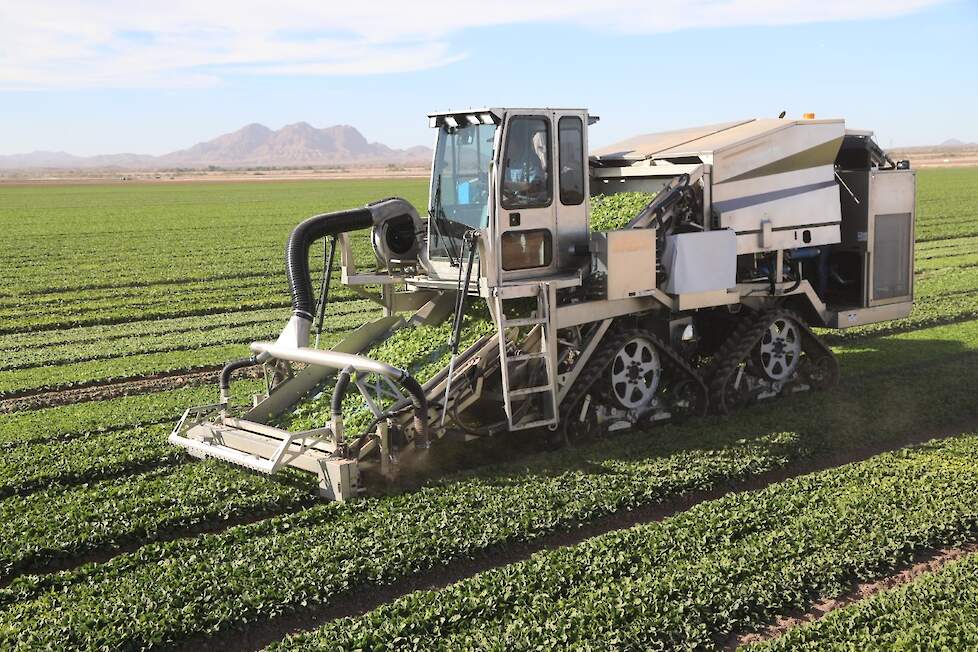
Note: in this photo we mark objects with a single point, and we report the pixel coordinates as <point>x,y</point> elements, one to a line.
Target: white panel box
<point>700,262</point>
<point>627,257</point>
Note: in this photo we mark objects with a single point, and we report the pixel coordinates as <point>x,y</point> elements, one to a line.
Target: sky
<point>121,76</point>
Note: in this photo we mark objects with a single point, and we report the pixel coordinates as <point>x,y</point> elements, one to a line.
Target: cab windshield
<point>459,186</point>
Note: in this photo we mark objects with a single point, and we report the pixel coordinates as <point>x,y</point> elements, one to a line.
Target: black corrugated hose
<point>297,252</point>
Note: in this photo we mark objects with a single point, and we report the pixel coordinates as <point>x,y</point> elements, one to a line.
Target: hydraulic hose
<point>328,256</point>
<point>224,382</point>
<point>463,291</point>
<point>342,382</point>
<point>419,403</point>
<point>336,403</point>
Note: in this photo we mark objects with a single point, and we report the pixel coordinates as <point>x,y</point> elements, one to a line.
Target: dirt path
<point>145,177</point>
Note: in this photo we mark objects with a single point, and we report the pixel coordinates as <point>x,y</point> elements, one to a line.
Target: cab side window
<point>526,169</point>
<point>570,140</point>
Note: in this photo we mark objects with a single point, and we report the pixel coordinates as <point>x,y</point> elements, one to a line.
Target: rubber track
<point>731,345</point>
<point>745,336</point>
<point>601,359</point>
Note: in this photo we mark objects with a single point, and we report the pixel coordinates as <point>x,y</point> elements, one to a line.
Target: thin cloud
<point>114,43</point>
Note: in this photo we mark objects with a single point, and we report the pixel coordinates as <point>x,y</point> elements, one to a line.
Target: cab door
<point>525,216</point>
<point>571,199</point>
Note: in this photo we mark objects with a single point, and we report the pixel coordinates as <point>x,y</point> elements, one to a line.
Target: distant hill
<point>254,145</point>
<point>954,143</point>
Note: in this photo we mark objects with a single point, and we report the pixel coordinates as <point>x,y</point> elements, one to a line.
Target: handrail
<point>327,358</point>
<point>348,362</point>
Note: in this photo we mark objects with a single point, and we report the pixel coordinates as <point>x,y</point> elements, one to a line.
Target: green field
<point>112,539</point>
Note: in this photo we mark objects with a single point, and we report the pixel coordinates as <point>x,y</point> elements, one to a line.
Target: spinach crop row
<point>283,563</point>
<point>140,508</point>
<point>937,611</point>
<point>181,340</point>
<point>15,342</point>
<point>79,419</point>
<point>133,366</point>
<point>68,227</point>
<point>696,578</point>
<point>32,466</point>
<point>255,571</point>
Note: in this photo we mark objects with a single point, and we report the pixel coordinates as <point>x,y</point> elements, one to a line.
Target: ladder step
<point>526,356</point>
<point>539,389</point>
<point>523,321</point>
<point>534,424</point>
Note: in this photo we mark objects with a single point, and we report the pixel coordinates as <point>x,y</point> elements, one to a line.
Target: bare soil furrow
<point>924,563</point>
<point>97,392</point>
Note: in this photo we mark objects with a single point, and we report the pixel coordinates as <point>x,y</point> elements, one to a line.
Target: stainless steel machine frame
<point>742,208</point>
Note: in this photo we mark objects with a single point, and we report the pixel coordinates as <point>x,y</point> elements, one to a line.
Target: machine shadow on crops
<point>786,429</point>
<point>504,300</point>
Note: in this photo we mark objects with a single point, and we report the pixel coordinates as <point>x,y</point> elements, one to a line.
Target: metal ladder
<point>547,388</point>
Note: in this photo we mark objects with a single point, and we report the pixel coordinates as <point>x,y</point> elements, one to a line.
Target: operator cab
<point>519,177</point>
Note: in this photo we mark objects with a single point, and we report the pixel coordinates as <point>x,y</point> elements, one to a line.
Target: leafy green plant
<point>283,563</point>
<point>936,611</point>
<point>35,465</point>
<point>610,212</point>
<point>421,350</point>
<point>78,420</point>
<point>722,566</point>
<point>117,274</point>
<point>279,564</point>
<point>114,271</point>
<point>135,508</point>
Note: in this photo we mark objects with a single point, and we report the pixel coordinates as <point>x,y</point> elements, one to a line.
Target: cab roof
<point>489,115</point>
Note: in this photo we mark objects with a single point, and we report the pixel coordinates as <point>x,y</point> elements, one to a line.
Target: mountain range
<point>954,143</point>
<point>254,145</point>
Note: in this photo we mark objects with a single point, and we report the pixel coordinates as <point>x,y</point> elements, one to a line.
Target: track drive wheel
<point>768,352</point>
<point>632,371</point>
<point>624,370</point>
<point>777,355</point>
<point>636,371</point>
<point>790,350</point>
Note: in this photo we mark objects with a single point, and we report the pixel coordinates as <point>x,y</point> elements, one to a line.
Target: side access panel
<point>891,236</point>
<point>879,227</point>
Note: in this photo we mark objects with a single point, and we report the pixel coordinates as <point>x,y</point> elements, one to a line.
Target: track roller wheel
<point>729,386</point>
<point>821,372</point>
<point>765,354</point>
<point>733,392</point>
<point>688,398</point>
